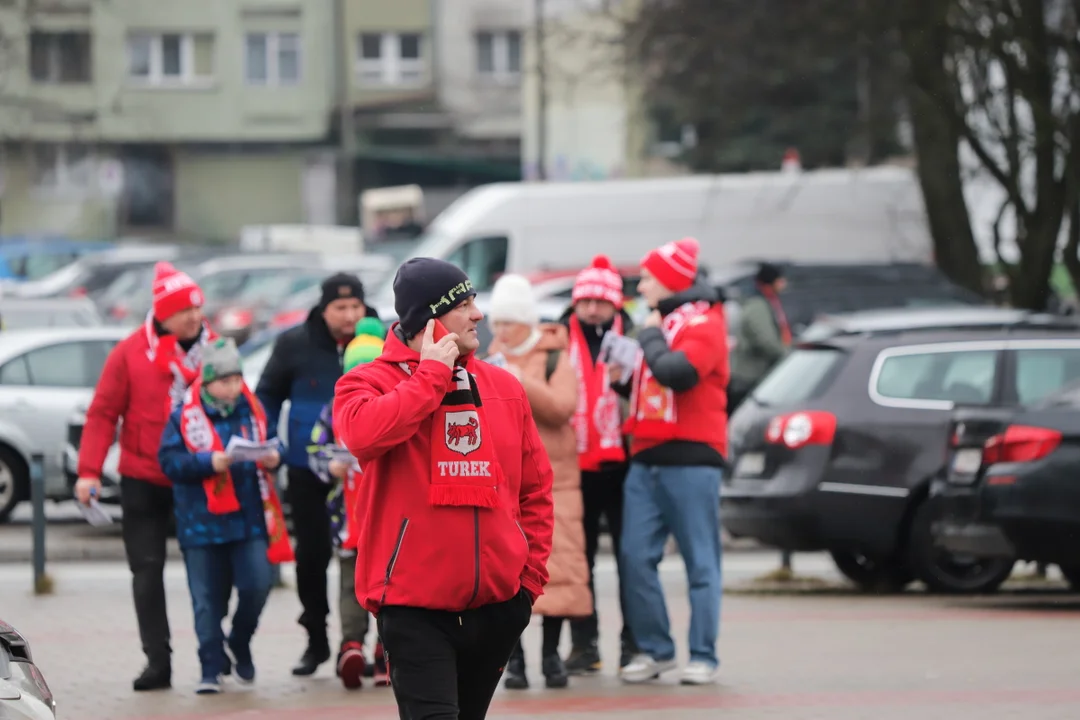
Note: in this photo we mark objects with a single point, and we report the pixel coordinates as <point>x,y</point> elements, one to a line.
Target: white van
<point>865,215</point>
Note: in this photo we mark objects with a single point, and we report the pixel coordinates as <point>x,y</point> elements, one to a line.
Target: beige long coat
<point>553,404</point>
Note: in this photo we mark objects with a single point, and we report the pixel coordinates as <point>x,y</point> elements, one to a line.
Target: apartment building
<point>186,119</point>
<point>435,87</point>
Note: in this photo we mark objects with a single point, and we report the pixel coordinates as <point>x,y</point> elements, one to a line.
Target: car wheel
<point>14,481</point>
<point>878,575</point>
<point>1072,576</point>
<point>945,572</point>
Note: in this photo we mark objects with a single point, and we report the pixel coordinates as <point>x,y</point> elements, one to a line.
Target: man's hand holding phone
<point>444,349</point>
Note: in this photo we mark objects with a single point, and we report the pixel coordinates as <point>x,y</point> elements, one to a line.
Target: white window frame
<point>390,69</point>
<point>273,69</point>
<point>157,77</point>
<point>67,181</point>
<point>500,52</point>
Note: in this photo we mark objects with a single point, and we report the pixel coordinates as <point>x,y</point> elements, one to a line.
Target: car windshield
<point>799,377</point>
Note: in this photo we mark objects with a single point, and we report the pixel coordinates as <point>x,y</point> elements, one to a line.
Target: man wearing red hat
<point>145,375</point>
<point>597,309</point>
<point>678,428</point>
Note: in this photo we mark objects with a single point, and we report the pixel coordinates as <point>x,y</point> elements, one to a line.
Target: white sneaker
<point>699,673</point>
<point>209,686</point>
<point>643,668</point>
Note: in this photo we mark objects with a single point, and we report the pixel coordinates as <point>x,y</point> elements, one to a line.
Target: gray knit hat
<point>220,358</point>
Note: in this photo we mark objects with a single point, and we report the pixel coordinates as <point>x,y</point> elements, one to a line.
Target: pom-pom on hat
<point>599,281</point>
<point>366,346</point>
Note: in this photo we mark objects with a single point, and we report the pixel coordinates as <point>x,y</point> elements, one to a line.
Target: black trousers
<point>306,495</point>
<point>447,665</point>
<point>148,516</point>
<point>602,496</point>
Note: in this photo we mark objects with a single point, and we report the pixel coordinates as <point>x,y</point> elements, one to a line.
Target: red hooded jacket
<point>413,553</point>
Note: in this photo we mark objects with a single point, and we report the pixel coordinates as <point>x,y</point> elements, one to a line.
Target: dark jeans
<point>148,515</point>
<point>447,665</point>
<point>552,634</point>
<point>311,529</point>
<point>212,572</point>
<point>602,495</point>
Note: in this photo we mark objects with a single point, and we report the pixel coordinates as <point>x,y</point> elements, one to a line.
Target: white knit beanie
<point>512,300</point>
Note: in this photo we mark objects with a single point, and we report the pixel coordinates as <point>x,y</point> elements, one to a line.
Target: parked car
<point>20,313</point>
<point>24,694</point>
<point>44,375</point>
<point>91,274</point>
<point>1011,489</point>
<point>836,449</point>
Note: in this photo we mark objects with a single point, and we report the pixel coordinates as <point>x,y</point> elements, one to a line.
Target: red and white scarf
<point>200,436</point>
<point>653,411</point>
<point>465,469</point>
<point>778,313</point>
<point>597,421</point>
<point>165,352</point>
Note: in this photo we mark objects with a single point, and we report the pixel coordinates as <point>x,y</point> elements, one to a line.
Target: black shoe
<point>627,653</point>
<point>583,661</point>
<point>555,672</point>
<point>153,677</point>
<point>318,652</point>
<point>515,674</point>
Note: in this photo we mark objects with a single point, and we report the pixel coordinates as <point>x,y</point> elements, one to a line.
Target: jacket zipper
<point>393,559</point>
<point>476,549</point>
<point>522,531</point>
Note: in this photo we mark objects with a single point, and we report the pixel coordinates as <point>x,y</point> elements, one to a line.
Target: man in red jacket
<point>678,428</point>
<point>145,374</point>
<point>454,514</point>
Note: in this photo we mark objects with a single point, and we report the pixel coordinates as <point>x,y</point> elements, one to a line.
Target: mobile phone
<point>439,331</point>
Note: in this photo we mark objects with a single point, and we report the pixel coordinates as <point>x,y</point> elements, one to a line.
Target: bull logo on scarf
<point>463,431</point>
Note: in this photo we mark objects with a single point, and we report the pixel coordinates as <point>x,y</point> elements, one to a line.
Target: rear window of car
<point>802,375</point>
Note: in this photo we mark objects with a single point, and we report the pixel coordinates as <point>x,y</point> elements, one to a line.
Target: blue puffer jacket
<point>303,368</point>
<point>196,526</point>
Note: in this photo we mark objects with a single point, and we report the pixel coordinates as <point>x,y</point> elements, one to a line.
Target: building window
<point>62,57</point>
<point>391,59</point>
<point>272,58</point>
<point>61,167</point>
<point>498,54</point>
<point>171,59</point>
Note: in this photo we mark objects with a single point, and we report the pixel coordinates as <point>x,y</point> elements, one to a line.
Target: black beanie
<point>426,288</point>
<point>341,285</point>
<point>768,273</point>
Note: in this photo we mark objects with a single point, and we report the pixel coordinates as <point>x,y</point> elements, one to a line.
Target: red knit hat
<point>674,264</point>
<point>173,291</point>
<point>599,281</point>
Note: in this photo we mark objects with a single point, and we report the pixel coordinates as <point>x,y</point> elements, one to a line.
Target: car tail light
<point>1020,443</point>
<point>288,318</point>
<point>118,312</point>
<point>78,292</point>
<point>234,319</point>
<point>802,428</point>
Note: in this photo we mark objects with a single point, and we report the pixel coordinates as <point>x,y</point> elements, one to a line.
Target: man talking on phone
<point>454,516</point>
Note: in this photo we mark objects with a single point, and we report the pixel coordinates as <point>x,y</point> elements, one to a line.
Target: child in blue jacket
<point>226,537</point>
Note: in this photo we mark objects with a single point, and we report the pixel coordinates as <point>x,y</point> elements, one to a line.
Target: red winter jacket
<point>443,558</point>
<point>136,390</point>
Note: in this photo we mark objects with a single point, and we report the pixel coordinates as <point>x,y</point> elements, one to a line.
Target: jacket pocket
<point>394,558</point>
<point>523,535</point>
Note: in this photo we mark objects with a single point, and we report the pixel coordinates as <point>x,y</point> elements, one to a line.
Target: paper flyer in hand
<point>95,514</point>
<point>621,351</point>
<point>336,452</point>
<point>244,450</point>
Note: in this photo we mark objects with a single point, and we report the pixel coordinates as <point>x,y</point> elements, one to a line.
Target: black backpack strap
<point>552,363</point>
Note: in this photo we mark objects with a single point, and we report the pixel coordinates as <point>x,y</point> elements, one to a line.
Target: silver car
<point>45,375</point>
<point>24,694</point>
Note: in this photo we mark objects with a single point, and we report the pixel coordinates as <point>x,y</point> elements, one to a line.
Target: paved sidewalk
<point>785,658</point>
